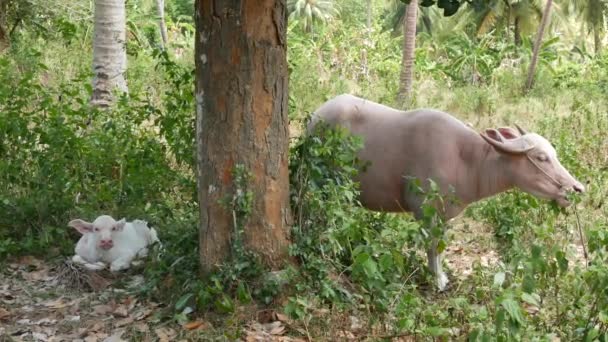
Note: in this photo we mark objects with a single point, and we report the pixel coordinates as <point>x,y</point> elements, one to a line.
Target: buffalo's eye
<point>113,229</point>
<point>542,157</point>
<point>96,229</point>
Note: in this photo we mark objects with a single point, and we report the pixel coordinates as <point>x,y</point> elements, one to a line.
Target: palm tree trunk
<point>407,62</point>
<point>369,15</point>
<point>160,5</point>
<point>597,40</point>
<point>109,51</point>
<point>516,32</point>
<point>537,43</point>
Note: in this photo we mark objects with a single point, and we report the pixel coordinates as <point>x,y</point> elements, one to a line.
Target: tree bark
<point>537,43</point>
<point>597,40</point>
<point>109,51</point>
<point>409,47</point>
<point>516,32</point>
<point>241,92</point>
<point>4,37</point>
<point>160,5</point>
<point>369,16</point>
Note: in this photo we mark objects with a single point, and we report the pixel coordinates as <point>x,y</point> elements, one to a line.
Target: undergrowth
<point>356,271</point>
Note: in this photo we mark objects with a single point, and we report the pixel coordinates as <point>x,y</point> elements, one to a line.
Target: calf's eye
<point>542,157</point>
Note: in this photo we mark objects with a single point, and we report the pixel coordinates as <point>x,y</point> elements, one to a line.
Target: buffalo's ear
<point>501,144</point>
<point>508,133</point>
<point>81,226</point>
<point>120,225</point>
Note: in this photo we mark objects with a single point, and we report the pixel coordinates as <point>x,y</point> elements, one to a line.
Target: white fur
<point>130,240</point>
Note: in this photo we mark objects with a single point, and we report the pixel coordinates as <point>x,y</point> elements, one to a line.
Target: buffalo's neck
<point>488,173</point>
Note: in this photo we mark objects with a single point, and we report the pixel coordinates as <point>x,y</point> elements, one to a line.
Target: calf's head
<point>103,230</point>
<point>532,164</point>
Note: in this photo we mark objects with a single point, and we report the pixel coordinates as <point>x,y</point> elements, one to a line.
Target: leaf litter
<point>44,302</point>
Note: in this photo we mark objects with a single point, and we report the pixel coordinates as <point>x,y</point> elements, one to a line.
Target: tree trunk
<point>597,40</point>
<point>516,32</point>
<point>4,37</point>
<point>241,87</point>
<point>537,43</point>
<point>109,51</point>
<point>409,47</point>
<point>160,5</point>
<point>369,16</point>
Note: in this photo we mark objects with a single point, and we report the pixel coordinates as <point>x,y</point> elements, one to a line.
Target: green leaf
<point>224,304</point>
<point>533,298</point>
<point>513,309</point>
<point>441,245</point>
<point>182,301</point>
<point>499,279</point>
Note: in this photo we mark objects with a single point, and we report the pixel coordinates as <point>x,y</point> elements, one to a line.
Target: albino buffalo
<point>429,144</point>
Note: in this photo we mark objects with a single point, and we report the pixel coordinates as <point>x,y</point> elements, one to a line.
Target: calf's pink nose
<point>578,187</point>
<point>106,243</point>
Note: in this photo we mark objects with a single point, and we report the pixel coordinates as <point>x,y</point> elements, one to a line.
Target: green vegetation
<point>61,158</point>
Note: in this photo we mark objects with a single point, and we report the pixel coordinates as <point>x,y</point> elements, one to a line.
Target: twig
<point>580,232</point>
<point>403,285</point>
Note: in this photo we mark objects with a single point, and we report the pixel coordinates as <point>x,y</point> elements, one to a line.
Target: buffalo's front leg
<point>434,259</point>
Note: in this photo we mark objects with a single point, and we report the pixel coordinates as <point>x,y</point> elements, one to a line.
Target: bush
<point>63,158</point>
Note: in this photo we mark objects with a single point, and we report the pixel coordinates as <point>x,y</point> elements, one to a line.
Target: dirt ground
<point>42,301</point>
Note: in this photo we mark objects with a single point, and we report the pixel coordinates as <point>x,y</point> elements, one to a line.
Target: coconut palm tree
<point>407,61</point>
<point>538,41</point>
<point>521,15</point>
<point>593,14</point>
<point>307,12</point>
<point>109,51</point>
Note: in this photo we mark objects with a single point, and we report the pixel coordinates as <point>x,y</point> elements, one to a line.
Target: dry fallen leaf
<point>141,327</point>
<point>102,309</point>
<point>130,302</point>
<point>29,260</point>
<point>36,275</point>
<point>97,327</point>
<point>58,303</point>
<point>121,311</point>
<point>165,334</point>
<point>69,318</point>
<point>4,314</point>
<point>282,318</point>
<point>116,337</point>
<point>46,321</point>
<point>40,336</point>
<point>195,325</point>
<point>142,314</point>
<point>123,322</point>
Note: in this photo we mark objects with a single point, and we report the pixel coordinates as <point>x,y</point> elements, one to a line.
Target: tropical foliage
<point>521,268</point>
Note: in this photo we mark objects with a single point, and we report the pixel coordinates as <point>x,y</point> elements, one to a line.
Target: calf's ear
<point>120,225</point>
<point>81,226</point>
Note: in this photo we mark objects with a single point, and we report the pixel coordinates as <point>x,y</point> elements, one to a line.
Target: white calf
<point>106,241</point>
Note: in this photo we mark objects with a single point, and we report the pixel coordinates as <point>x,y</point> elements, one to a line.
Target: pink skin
<point>430,144</point>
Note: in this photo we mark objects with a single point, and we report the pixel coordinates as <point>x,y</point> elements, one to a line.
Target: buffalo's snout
<point>106,244</point>
<point>578,187</point>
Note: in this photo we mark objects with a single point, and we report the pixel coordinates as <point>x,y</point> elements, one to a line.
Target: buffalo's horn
<point>521,130</point>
